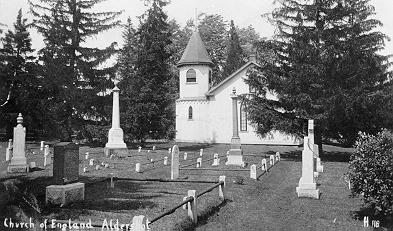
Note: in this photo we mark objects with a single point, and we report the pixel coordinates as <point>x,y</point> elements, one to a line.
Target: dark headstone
<point>65,163</point>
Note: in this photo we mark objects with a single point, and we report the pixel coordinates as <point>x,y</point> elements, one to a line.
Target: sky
<point>243,12</point>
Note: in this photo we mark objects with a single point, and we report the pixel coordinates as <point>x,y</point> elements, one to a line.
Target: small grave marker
<point>216,160</point>
<point>166,160</point>
<point>185,156</point>
<point>264,167</point>
<point>199,163</point>
<point>91,162</point>
<point>97,167</point>
<point>271,160</point>
<point>278,157</point>
<point>42,146</point>
<point>86,155</point>
<point>201,152</point>
<point>137,167</point>
<point>139,149</point>
<point>253,172</point>
<point>154,148</point>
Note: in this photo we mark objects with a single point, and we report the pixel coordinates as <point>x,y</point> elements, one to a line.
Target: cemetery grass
<point>269,203</point>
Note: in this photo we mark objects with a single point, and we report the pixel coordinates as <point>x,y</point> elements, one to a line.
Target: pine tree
<point>235,56</point>
<point>149,113</point>
<point>73,72</point>
<point>19,87</point>
<point>326,68</point>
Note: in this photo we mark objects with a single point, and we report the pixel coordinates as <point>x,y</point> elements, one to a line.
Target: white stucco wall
<point>212,120</point>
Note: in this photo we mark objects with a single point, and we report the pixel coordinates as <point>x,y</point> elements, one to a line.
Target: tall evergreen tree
<point>213,29</point>
<point>19,85</point>
<point>235,56</point>
<point>73,72</point>
<point>149,114</point>
<point>326,67</point>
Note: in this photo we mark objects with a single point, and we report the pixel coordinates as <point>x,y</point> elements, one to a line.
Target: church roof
<point>195,52</point>
<point>213,89</point>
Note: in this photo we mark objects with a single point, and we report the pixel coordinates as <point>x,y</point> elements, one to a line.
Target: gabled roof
<point>213,89</point>
<point>195,52</point>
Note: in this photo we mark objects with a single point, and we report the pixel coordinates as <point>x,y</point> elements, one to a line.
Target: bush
<point>371,171</point>
<point>93,134</point>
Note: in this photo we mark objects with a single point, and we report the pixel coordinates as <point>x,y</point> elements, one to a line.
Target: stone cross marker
<point>175,163</point>
<point>66,163</point>
<point>307,185</point>
<point>18,162</point>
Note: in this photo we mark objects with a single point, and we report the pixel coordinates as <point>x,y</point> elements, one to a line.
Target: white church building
<point>204,113</point>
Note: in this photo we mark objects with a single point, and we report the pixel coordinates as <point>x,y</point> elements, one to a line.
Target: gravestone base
<point>307,190</point>
<point>119,152</point>
<point>235,157</point>
<point>19,168</point>
<point>65,194</point>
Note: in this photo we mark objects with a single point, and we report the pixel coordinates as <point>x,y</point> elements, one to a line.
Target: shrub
<point>371,171</point>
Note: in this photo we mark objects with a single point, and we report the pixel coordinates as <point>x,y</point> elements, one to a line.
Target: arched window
<point>191,76</point>
<point>190,113</point>
<point>243,117</point>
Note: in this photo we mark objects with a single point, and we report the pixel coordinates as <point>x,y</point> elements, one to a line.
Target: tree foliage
<point>326,67</point>
<point>74,74</point>
<point>20,90</point>
<point>370,171</point>
<point>235,56</point>
<point>147,93</point>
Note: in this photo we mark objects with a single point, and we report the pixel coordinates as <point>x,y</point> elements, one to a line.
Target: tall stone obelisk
<point>235,155</point>
<point>18,162</point>
<point>115,136</point>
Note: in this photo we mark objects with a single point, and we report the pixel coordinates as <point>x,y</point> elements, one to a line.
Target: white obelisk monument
<point>18,162</point>
<point>235,155</point>
<point>115,136</point>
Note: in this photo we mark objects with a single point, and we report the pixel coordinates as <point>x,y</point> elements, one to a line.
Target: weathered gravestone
<point>18,162</point>
<point>175,163</point>
<point>65,188</point>
<point>307,185</point>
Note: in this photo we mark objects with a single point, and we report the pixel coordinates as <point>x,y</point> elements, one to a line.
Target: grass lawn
<point>269,203</point>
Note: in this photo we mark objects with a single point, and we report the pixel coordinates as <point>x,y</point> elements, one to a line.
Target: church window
<point>243,117</point>
<point>190,113</point>
<point>191,76</point>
